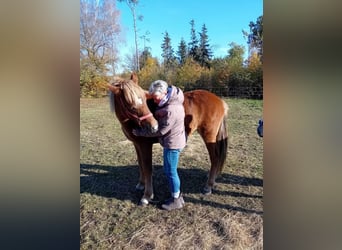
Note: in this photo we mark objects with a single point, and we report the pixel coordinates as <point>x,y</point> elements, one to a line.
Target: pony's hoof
<point>206,191</point>
<point>143,202</point>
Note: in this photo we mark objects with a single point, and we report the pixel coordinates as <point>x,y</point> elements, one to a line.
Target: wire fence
<point>244,92</point>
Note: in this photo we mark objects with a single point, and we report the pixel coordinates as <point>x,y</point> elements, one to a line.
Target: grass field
<point>230,218</point>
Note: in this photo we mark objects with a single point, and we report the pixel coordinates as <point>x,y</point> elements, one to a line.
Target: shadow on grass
<point>245,181</point>
<point>220,205</point>
<point>119,182</point>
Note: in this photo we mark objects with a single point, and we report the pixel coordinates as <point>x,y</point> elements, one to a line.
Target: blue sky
<point>224,19</point>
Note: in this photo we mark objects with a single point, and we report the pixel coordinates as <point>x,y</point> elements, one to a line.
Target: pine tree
<point>182,52</point>
<point>193,44</point>
<point>167,54</point>
<point>205,53</point>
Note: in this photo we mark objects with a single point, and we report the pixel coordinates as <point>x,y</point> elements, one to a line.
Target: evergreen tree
<point>193,44</point>
<point>205,53</point>
<point>182,52</point>
<point>167,54</point>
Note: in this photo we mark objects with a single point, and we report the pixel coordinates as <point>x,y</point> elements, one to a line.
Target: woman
<point>170,115</point>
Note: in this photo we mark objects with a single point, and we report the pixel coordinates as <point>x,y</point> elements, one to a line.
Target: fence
<point>248,92</point>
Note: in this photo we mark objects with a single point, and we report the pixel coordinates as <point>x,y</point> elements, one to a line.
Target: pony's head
<point>131,101</point>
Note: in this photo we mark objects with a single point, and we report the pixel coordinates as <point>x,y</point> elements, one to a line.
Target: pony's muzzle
<point>154,129</point>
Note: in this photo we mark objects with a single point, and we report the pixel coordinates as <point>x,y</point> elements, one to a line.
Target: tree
<point>182,52</point>
<point>220,72</point>
<point>145,39</point>
<point>132,4</point>
<point>169,60</point>
<point>99,36</point>
<point>167,53</point>
<point>188,74</point>
<point>149,73</point>
<point>254,61</point>
<point>235,56</point>
<point>130,61</point>
<point>204,50</point>
<point>144,56</point>
<point>256,75</point>
<point>255,37</point>
<point>193,44</point>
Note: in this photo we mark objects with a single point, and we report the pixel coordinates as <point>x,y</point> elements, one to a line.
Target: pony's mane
<point>132,92</point>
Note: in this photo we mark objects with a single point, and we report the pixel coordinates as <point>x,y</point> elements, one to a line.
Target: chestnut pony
<point>204,112</point>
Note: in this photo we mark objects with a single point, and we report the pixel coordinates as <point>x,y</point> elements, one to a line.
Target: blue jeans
<point>171,157</point>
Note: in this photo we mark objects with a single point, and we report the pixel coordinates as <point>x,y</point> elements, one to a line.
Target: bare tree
<point>132,4</point>
<point>130,61</point>
<point>145,39</point>
<point>99,34</point>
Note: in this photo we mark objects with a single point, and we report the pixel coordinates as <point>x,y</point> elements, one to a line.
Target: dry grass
<point>230,218</point>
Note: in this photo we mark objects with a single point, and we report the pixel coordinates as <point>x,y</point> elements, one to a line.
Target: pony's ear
<point>113,88</point>
<point>134,77</point>
<point>148,95</point>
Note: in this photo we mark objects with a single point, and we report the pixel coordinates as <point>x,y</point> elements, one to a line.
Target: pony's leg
<point>213,168</point>
<point>214,150</point>
<point>147,168</point>
<point>141,184</point>
<point>144,152</point>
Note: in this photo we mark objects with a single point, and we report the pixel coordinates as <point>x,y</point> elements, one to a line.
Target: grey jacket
<point>170,118</point>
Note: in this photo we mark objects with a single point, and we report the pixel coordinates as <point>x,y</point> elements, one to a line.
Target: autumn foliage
<point>191,67</point>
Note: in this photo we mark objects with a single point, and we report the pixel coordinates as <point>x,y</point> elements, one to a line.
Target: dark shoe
<point>260,128</point>
<point>174,203</point>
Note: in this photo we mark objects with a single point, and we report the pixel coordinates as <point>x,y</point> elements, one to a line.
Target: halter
<point>131,115</point>
<point>139,119</point>
<point>135,117</point>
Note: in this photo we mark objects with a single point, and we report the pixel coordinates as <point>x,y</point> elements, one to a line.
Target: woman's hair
<point>158,86</point>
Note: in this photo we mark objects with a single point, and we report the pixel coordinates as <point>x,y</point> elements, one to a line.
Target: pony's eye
<point>118,85</point>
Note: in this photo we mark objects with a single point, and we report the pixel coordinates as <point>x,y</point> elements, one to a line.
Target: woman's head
<point>158,90</point>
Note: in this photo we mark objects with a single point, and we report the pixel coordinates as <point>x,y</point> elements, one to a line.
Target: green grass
<point>230,218</point>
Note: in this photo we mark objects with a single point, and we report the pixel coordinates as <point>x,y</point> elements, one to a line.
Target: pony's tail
<point>111,101</point>
<point>221,146</point>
